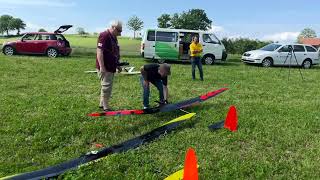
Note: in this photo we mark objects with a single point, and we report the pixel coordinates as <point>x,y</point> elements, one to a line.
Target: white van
<point>173,44</point>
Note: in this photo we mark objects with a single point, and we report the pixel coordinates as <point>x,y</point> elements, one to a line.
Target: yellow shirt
<point>195,47</point>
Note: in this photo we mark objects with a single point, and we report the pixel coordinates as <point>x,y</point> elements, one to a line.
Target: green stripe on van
<point>166,50</point>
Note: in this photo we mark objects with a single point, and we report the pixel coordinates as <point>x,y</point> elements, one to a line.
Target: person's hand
<point>119,69</point>
<point>145,83</point>
<point>103,70</point>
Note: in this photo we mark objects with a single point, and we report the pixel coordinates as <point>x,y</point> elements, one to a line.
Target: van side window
<point>210,38</point>
<point>166,36</point>
<point>151,36</point>
<point>311,49</point>
<point>298,48</point>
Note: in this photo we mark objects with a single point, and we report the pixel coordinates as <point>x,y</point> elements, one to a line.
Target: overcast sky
<point>277,20</point>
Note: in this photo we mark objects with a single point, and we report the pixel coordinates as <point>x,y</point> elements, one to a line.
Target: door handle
<point>203,45</point>
<point>153,46</point>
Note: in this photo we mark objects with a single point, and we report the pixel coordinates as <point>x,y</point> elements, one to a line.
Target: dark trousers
<point>146,91</point>
<point>196,61</point>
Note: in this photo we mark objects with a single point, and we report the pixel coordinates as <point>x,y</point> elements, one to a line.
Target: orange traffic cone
<point>231,121</point>
<point>190,166</point>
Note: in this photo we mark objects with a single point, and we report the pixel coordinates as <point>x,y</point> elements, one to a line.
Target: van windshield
<point>270,47</point>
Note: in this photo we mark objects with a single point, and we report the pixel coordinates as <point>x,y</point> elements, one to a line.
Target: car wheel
<point>267,62</point>
<point>8,50</point>
<point>52,53</point>
<point>208,59</point>
<point>161,61</point>
<point>306,64</point>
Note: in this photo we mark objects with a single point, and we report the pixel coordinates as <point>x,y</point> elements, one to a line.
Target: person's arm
<point>165,93</point>
<point>201,49</point>
<point>144,75</point>
<point>100,60</point>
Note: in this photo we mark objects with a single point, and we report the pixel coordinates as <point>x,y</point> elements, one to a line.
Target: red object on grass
<point>231,121</point>
<point>98,145</point>
<point>190,171</point>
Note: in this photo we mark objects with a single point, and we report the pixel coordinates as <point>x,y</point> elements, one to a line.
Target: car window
<point>270,47</point>
<point>285,49</point>
<point>298,48</point>
<point>60,37</point>
<point>311,49</point>
<point>151,36</point>
<point>210,38</point>
<point>43,37</point>
<point>29,37</point>
<point>166,36</point>
<point>52,37</point>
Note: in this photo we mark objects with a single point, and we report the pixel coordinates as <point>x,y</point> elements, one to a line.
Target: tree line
<point>9,23</point>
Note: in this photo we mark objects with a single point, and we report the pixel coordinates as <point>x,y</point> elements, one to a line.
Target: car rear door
<point>300,53</point>
<point>167,45</point>
<point>312,53</point>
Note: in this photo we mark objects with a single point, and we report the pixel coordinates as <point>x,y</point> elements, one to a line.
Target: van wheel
<point>52,53</point>
<point>8,50</point>
<point>161,61</point>
<point>208,59</point>
<point>267,62</point>
<point>306,64</point>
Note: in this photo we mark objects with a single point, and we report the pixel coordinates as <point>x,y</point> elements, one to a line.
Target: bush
<point>241,45</point>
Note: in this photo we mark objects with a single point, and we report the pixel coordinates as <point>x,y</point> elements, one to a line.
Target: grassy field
<point>45,102</point>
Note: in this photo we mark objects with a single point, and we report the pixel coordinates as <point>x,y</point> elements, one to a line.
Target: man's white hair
<point>116,23</point>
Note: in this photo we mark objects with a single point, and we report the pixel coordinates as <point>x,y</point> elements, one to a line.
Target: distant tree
<point>135,24</point>
<point>164,21</point>
<point>81,31</point>
<point>195,19</point>
<point>42,30</point>
<point>17,24</point>
<point>307,33</point>
<point>241,45</point>
<point>5,23</point>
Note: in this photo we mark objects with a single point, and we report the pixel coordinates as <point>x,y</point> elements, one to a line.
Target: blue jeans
<point>146,91</point>
<point>196,61</point>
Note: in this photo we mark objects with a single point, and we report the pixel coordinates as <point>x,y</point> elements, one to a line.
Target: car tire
<point>208,59</point>
<point>267,62</point>
<point>307,64</point>
<point>52,53</point>
<point>8,51</point>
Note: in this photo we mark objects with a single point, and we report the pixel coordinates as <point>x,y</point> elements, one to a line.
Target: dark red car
<point>50,44</point>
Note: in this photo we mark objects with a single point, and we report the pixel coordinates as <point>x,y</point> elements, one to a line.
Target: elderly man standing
<point>107,61</point>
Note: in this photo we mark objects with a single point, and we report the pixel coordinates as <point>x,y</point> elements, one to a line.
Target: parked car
<point>280,54</point>
<point>173,44</point>
<point>50,44</point>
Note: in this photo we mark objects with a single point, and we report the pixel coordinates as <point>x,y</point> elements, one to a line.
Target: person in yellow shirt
<point>195,54</point>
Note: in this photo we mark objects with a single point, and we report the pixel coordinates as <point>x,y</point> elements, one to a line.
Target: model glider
<point>165,108</point>
<point>56,170</point>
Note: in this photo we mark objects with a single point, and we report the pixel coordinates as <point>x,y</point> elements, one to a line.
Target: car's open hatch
<point>62,29</point>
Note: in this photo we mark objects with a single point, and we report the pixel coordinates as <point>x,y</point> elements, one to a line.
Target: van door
<point>149,44</point>
<point>312,53</point>
<point>211,45</point>
<point>167,45</point>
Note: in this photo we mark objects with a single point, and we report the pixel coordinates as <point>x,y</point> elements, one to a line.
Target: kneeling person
<point>158,76</point>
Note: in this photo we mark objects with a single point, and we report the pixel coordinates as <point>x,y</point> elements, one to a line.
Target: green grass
<point>44,105</point>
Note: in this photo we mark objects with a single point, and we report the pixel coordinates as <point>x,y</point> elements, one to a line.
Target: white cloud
<point>282,37</point>
<point>216,29</point>
<point>49,3</point>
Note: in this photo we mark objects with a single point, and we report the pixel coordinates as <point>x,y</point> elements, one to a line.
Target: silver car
<point>283,55</point>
